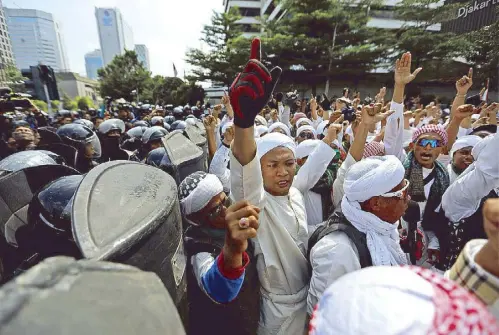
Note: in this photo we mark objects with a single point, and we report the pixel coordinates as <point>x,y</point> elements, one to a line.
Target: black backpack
<point>338,222</point>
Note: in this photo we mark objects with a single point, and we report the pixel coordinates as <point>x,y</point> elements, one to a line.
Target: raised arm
<point>462,87</point>
<point>210,124</point>
<point>228,106</point>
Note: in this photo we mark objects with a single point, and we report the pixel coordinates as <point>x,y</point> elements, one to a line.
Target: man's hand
<point>372,114</point>
<point>463,112</point>
<point>465,83</point>
<point>252,88</point>
<point>225,99</point>
<point>403,75</point>
<point>332,133</point>
<point>273,115</point>
<point>408,115</point>
<point>313,103</point>
<point>228,135</point>
<point>241,224</point>
<point>210,122</point>
<point>217,110</point>
<point>492,109</point>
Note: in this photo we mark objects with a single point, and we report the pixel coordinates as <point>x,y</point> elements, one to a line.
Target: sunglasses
<point>432,142</point>
<point>307,135</point>
<point>215,212</point>
<point>401,194</point>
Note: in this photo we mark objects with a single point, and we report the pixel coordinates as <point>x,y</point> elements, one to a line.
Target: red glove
<point>252,89</point>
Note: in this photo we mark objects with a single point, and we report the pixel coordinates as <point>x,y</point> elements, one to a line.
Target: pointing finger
<point>256,50</point>
<point>470,73</point>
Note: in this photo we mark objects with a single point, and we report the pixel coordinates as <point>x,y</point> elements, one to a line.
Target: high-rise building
<point>115,34</point>
<point>93,62</point>
<point>250,11</point>
<point>36,39</point>
<point>143,55</point>
<point>6,55</point>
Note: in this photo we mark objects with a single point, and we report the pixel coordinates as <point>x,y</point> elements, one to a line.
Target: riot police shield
<point>129,213</point>
<point>64,296</point>
<point>67,152</point>
<point>185,156</point>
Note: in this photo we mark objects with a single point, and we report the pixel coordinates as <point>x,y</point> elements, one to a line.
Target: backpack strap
<point>338,222</point>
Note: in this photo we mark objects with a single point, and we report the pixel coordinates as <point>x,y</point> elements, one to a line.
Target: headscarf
<point>298,116</point>
<point>279,125</point>
<point>368,178</point>
<point>197,190</point>
<point>305,148</point>
<point>259,130</point>
<point>302,121</point>
<point>262,120</point>
<point>431,128</point>
<point>372,298</point>
<point>306,128</point>
<point>374,149</point>
<point>272,141</point>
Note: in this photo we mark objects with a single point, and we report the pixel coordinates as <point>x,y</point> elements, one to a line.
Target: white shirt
<point>338,191</point>
<point>280,250</point>
<point>218,166</point>
<point>308,175</point>
<point>394,132</point>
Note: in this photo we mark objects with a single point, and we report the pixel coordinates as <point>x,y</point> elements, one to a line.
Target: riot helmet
<point>25,159</point>
<point>82,138</point>
<point>133,138</point>
<point>178,125</point>
<point>48,135</point>
<point>157,121</point>
<point>153,134</point>
<point>19,124</point>
<point>169,119</point>
<point>178,113</point>
<point>85,122</point>
<point>112,127</point>
<point>191,121</point>
<point>159,158</point>
<point>57,158</point>
<point>141,123</point>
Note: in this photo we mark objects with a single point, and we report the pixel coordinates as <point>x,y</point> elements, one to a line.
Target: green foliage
<point>188,93</point>
<point>15,79</point>
<point>164,89</point>
<point>55,104</point>
<point>40,104</point>
<point>222,60</point>
<point>123,75</point>
<point>67,103</point>
<point>84,103</point>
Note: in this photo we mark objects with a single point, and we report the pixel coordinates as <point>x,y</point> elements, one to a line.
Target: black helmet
<point>80,137</point>
<point>178,125</point>
<point>111,124</point>
<point>64,113</point>
<point>153,133</point>
<point>169,119</point>
<point>157,120</point>
<point>159,158</point>
<point>141,123</point>
<point>85,122</point>
<point>133,138</point>
<point>178,111</point>
<point>25,159</point>
<point>48,135</point>
<point>20,123</point>
<point>57,158</point>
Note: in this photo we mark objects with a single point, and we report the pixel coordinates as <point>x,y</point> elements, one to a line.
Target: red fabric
<point>374,149</point>
<point>232,273</point>
<point>431,128</point>
<point>456,310</point>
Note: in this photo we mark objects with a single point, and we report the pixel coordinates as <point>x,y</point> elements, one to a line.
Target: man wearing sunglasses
<point>305,132</point>
<point>365,233</point>
<point>218,271</point>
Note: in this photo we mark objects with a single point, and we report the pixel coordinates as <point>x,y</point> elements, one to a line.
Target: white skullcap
<point>349,132</point>
<point>475,117</point>
<point>262,120</point>
<point>306,128</point>
<point>321,128</point>
<point>259,130</point>
<point>197,190</point>
<point>272,141</point>
<point>368,302</point>
<point>227,125</point>
<point>190,121</point>
<point>372,177</point>
<point>305,148</point>
<point>303,120</point>
<point>279,125</point>
<point>464,142</point>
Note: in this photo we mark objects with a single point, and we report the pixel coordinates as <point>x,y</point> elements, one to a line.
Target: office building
<point>93,62</point>
<point>472,15</point>
<point>74,85</point>
<point>250,11</point>
<point>36,39</point>
<point>115,34</point>
<point>143,55</point>
<point>272,10</point>
<point>6,55</point>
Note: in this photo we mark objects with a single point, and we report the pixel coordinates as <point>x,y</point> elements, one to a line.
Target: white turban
<point>306,128</point>
<point>279,125</point>
<point>197,190</point>
<point>259,130</point>
<point>262,120</point>
<point>227,125</point>
<point>272,141</point>
<point>303,120</point>
<point>321,128</point>
<point>464,142</point>
<point>372,177</point>
<point>305,148</point>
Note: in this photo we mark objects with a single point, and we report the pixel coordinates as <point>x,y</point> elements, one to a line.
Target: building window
<point>249,12</point>
<point>250,28</point>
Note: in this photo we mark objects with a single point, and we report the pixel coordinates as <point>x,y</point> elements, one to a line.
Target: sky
<point>167,27</point>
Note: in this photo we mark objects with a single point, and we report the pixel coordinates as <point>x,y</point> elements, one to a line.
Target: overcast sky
<point>167,27</point>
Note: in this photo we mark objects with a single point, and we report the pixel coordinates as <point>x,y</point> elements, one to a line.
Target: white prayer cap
<point>272,141</point>
<point>302,121</point>
<point>321,128</point>
<point>368,301</point>
<point>475,117</point>
<point>372,177</point>
<point>262,120</point>
<point>463,142</point>
<point>197,190</point>
<point>227,125</point>
<point>259,130</point>
<point>306,147</point>
<point>190,121</point>
<point>305,128</point>
<point>279,125</point>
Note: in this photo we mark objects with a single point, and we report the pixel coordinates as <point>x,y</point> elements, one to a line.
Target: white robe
<point>280,250</point>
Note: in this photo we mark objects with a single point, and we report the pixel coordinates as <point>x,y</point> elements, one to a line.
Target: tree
<point>67,103</point>
<point>15,80</point>
<point>84,103</point>
<point>164,89</point>
<point>322,39</point>
<point>40,104</point>
<point>222,60</point>
<point>123,75</point>
<point>188,93</point>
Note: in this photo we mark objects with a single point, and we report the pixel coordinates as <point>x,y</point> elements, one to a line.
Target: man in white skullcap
<point>365,233</point>
<point>460,155</point>
<point>400,300</point>
<point>218,270</point>
<point>305,132</point>
<point>261,131</point>
<point>279,127</point>
<point>219,165</point>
